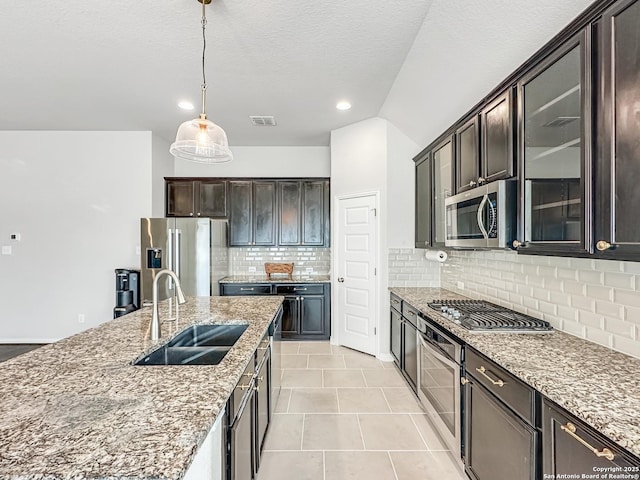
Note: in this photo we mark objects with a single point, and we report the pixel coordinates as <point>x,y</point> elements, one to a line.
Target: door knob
<point>341,279</point>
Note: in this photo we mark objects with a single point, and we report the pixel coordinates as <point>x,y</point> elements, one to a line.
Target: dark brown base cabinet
<point>306,307</point>
<point>566,448</point>
<point>404,340</point>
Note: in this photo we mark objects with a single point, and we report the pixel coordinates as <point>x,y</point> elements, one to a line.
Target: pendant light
<point>201,140</point>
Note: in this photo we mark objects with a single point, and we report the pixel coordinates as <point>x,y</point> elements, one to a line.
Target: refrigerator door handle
<point>178,250</point>
<point>170,257</point>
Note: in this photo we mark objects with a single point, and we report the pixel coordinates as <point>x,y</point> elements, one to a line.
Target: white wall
<point>163,166</point>
<point>464,50</point>
<point>76,199</point>
<point>264,162</point>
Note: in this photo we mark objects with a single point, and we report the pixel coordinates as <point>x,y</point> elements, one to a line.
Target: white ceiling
<point>123,65</point>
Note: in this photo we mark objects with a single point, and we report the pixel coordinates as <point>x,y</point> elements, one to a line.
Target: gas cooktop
<point>481,316</point>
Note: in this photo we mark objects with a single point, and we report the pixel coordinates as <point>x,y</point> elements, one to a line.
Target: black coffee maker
<point>127,291</point>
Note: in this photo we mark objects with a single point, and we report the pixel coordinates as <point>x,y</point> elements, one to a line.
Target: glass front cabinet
<point>554,138</point>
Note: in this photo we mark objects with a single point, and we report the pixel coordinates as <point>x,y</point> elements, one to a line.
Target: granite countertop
<point>79,409</point>
<point>596,384</point>
<point>276,279</point>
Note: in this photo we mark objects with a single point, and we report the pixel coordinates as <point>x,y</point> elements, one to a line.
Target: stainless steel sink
<point>184,356</point>
<point>208,336</point>
<point>196,345</point>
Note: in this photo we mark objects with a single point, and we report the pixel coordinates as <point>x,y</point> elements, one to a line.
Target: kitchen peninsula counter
<point>79,409</point>
<point>276,279</point>
<point>596,384</point>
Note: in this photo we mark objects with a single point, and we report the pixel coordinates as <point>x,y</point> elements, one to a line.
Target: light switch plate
<point>6,250</point>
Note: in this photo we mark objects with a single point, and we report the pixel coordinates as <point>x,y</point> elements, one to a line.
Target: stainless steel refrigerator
<point>195,248</point>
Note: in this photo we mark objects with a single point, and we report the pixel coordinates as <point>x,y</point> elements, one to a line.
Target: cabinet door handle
<point>191,214</point>
<point>482,371</point>
<point>481,180</point>
<point>603,245</point>
<point>472,183</point>
<point>570,428</point>
<point>247,289</point>
<point>517,244</point>
<point>198,213</point>
<point>463,380</point>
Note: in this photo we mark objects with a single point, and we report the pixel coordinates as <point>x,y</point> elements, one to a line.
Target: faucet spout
<point>155,319</point>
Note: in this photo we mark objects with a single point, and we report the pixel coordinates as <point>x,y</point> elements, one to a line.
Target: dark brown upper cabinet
<point>252,217</point>
<point>443,174</point>
<point>618,153</point>
<point>196,198</point>
<point>498,138</point>
<point>423,196</point>
<point>467,151</point>
<point>303,213</point>
<point>554,148</point>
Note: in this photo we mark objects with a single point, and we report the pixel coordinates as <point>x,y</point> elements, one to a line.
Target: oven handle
<point>437,352</point>
<point>479,218</point>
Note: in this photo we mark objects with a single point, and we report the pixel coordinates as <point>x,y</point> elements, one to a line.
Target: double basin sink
<point>196,345</point>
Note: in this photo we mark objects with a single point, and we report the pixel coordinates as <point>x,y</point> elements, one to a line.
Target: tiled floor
<point>346,415</point>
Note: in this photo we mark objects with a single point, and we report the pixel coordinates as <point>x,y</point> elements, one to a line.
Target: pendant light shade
<point>201,140</point>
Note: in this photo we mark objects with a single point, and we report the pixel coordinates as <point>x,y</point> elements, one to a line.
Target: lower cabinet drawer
<point>246,289</point>
<point>511,390</point>
<point>308,289</point>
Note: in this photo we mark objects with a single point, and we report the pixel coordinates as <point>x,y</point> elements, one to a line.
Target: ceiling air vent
<point>263,120</point>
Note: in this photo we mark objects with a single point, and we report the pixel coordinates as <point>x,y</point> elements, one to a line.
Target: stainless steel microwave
<point>484,217</point>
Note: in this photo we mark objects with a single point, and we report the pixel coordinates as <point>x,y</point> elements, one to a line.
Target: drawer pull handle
<point>482,371</point>
<point>247,289</point>
<point>300,289</point>
<point>411,313</point>
<point>244,387</point>
<point>395,302</point>
<point>570,428</point>
<point>247,374</point>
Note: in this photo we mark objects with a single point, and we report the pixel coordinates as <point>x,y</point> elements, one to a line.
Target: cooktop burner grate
<point>481,316</point>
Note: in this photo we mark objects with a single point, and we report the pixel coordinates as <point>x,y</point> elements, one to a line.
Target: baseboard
<point>19,341</point>
<point>385,357</point>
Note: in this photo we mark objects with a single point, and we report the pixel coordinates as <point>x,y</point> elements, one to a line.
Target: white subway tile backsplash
<point>303,258</point>
<point>594,299</point>
<point>408,268</point>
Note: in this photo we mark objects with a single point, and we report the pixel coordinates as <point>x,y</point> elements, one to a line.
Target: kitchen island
<point>80,409</point>
<point>598,385</point>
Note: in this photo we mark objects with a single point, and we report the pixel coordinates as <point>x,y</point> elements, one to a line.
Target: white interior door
<point>356,273</point>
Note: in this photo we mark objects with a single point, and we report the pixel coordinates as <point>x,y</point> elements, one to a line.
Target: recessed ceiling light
<point>343,105</point>
<point>184,105</point>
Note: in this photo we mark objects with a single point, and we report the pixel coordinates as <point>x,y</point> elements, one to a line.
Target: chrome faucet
<point>155,319</point>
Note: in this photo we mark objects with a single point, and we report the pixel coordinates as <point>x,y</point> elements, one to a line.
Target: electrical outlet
<point>460,285</point>
<point>252,269</point>
<point>81,318</point>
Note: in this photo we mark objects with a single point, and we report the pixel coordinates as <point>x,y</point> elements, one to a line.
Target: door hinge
<point>375,212</point>
<point>375,331</point>
<point>375,271</point>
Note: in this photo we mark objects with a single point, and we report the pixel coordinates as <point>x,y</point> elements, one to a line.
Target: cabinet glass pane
<point>553,152</point>
<point>442,186</point>
<point>627,123</point>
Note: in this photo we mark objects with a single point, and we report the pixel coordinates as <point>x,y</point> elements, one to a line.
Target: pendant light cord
<point>204,48</point>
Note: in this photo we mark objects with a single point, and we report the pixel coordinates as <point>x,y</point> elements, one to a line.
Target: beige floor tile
<point>331,432</point>
<point>362,400</point>
<point>301,378</point>
<point>282,404</point>
<point>390,432</point>
<point>289,347</point>
<point>295,361</point>
<point>436,465</point>
<point>326,361</point>
<point>313,400</point>
<point>362,360</point>
<point>343,378</point>
<point>315,347</point>
<point>388,365</point>
<point>358,466</point>
<point>433,441</point>
<point>293,465</point>
<point>402,400</point>
<point>285,432</point>
<point>383,377</point>
<point>340,350</point>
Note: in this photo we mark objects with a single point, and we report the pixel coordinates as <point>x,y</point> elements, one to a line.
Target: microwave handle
<point>493,216</point>
<point>479,218</point>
